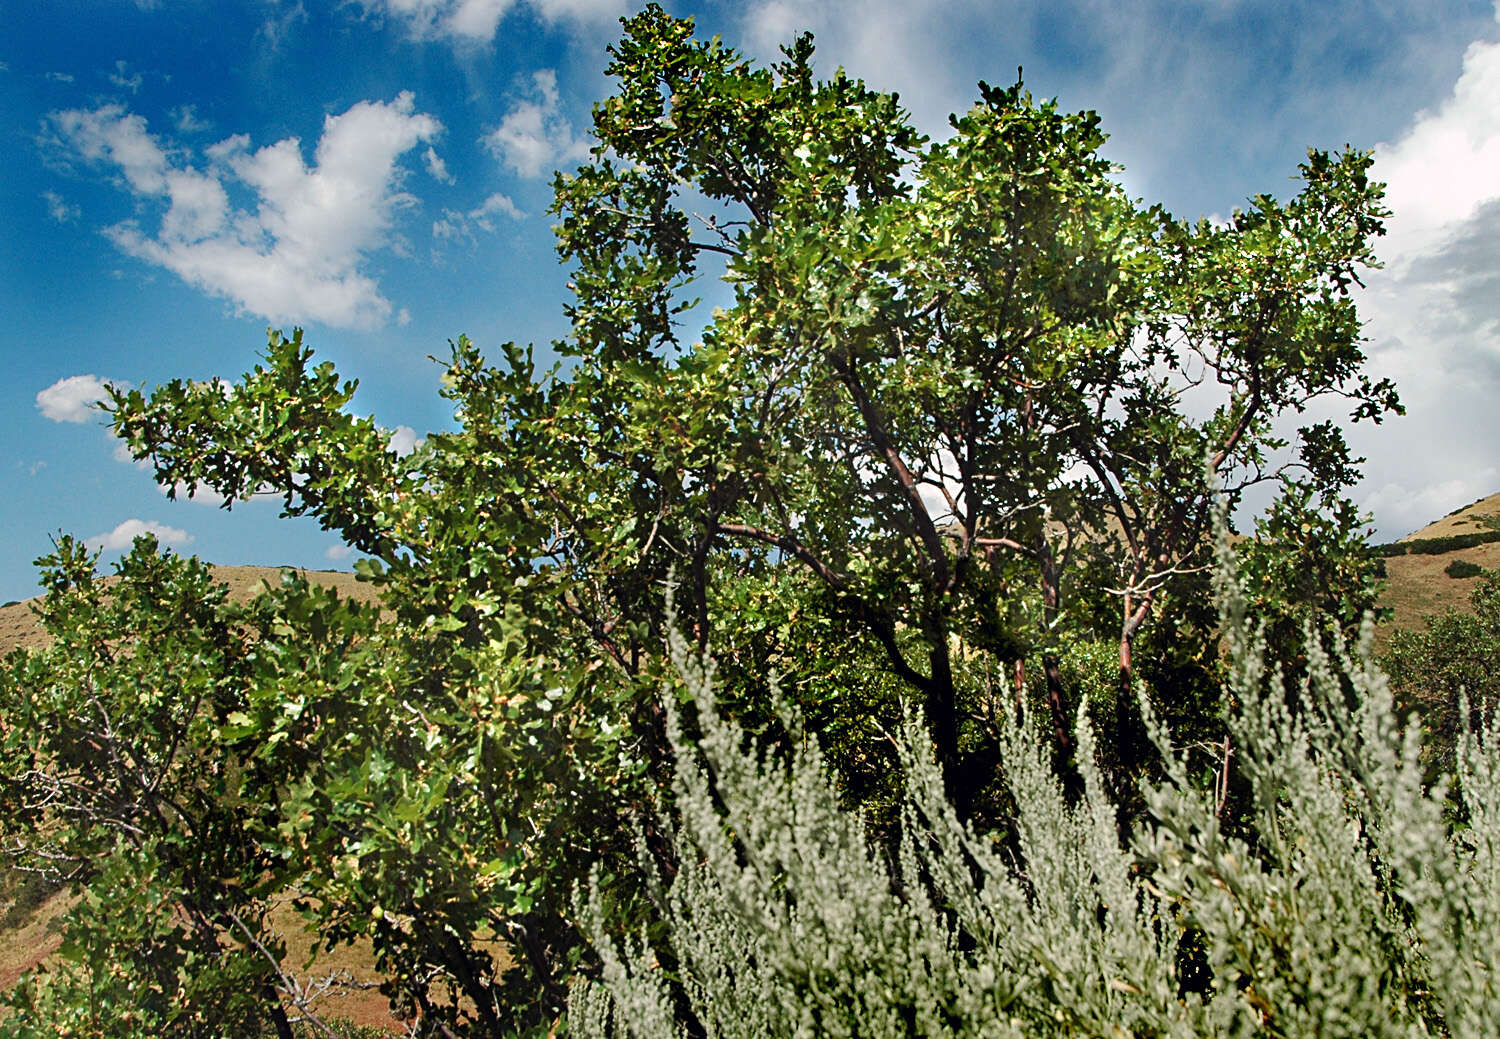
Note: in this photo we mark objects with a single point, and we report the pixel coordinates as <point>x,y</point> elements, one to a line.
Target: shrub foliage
<point>1461,568</point>
<point>1455,660</point>
<point>1356,908</point>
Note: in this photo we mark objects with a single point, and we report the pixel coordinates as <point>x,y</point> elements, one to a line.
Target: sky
<point>180,175</point>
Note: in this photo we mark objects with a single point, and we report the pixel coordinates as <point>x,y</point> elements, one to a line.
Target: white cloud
<point>1433,315</point>
<point>112,135</point>
<point>496,205</point>
<point>452,225</point>
<point>201,495</point>
<point>120,78</point>
<point>468,21</point>
<point>474,19</point>
<point>1448,164</point>
<point>338,553</point>
<point>1404,509</point>
<point>123,536</point>
<point>534,137</point>
<point>60,209</point>
<point>59,77</point>
<point>455,224</point>
<point>404,440</point>
<point>73,399</point>
<point>276,28</point>
<point>185,118</point>
<point>894,44</point>
<point>471,22</point>
<point>606,11</point>
<point>300,254</point>
<point>121,453</point>
<point>436,167</point>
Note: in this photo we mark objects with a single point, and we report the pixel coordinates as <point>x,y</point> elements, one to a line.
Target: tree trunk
<point>1131,739</point>
<point>277,1014</point>
<point>452,954</point>
<point>1056,704</point>
<point>941,711</point>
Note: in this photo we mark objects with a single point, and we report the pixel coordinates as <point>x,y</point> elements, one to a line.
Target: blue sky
<point>180,174</point>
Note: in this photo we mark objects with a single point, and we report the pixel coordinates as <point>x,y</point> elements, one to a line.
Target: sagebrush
<point>1356,899</point>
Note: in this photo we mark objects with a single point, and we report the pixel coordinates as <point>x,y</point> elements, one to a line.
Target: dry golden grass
<point>32,934</point>
<point>18,624</point>
<point>1417,586</point>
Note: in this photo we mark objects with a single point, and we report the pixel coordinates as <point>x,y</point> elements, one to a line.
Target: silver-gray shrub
<point>1368,905</point>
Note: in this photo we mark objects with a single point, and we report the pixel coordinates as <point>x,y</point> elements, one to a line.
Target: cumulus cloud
<point>456,224</point>
<point>338,553</point>
<point>278,26</point>
<point>1405,509</point>
<point>1433,315</point>
<point>464,20</point>
<point>534,137</point>
<point>122,453</point>
<point>496,205</point>
<point>894,44</point>
<point>123,536</point>
<point>606,11</point>
<point>112,135</point>
<point>185,118</point>
<point>1443,171</point>
<point>404,440</point>
<point>300,253</point>
<point>73,399</point>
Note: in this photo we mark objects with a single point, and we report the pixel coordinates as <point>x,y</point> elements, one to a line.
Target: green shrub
<point>1454,662</point>
<point>1438,546</point>
<point>1461,568</point>
<point>1356,910</point>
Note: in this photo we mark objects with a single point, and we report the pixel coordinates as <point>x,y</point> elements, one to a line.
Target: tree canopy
<point>951,436</point>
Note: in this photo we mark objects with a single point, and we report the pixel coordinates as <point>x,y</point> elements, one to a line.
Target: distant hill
<point>1417,583</point>
<point>18,626</point>
<point>1483,514</point>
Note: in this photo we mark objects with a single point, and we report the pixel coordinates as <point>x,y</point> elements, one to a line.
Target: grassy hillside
<point>1418,584</point>
<point>18,626</point>
<point>1483,514</point>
